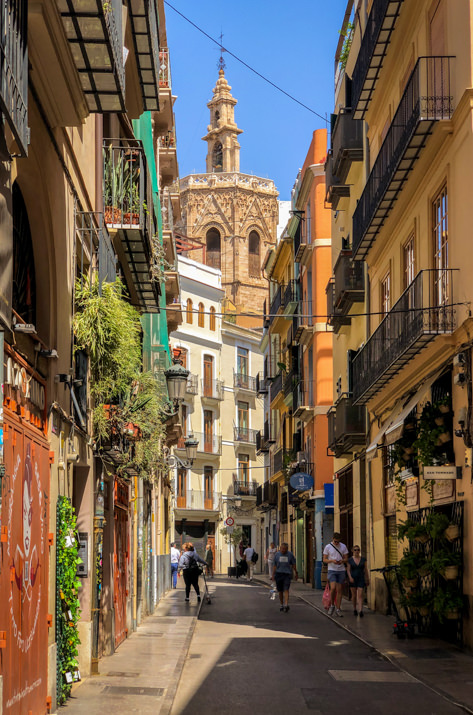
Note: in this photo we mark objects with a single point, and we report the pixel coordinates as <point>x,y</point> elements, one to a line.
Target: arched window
<point>212,318</point>
<point>213,254</point>
<point>200,318</point>
<point>254,261</point>
<point>24,278</point>
<point>217,157</point>
<point>189,311</point>
<point>216,118</point>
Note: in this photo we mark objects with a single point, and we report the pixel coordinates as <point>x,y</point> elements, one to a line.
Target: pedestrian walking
<point>358,577</point>
<point>284,567</point>
<point>189,564</point>
<point>250,566</point>
<point>270,554</point>
<point>175,556</point>
<point>336,556</point>
<point>209,560</point>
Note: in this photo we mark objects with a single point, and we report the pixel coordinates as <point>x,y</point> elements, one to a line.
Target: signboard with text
<point>444,472</point>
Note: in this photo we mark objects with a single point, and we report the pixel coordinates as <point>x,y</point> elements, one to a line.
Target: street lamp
<point>176,380</point>
<point>191,444</point>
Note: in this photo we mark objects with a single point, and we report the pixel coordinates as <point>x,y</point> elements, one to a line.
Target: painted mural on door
<point>24,572</point>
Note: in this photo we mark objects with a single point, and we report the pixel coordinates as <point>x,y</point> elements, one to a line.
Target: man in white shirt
<point>248,555</point>
<point>175,556</point>
<point>336,556</point>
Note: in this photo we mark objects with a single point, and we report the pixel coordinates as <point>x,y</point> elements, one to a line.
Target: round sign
<point>229,521</point>
<point>301,482</point>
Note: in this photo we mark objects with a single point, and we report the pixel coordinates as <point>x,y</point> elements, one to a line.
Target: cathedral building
<point>229,219</point>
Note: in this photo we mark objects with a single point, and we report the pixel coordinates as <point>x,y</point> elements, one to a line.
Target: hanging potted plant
<point>436,524</point>
<point>409,567</point>
<point>418,602</point>
<point>446,564</point>
<point>452,532</point>
<point>444,404</point>
<point>448,603</point>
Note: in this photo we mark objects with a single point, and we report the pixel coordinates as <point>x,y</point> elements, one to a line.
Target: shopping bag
<point>326,600</point>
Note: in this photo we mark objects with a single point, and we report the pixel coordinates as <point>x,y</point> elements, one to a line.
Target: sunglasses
<point>356,549</point>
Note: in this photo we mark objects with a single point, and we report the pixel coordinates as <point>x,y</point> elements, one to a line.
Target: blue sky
<point>291,43</point>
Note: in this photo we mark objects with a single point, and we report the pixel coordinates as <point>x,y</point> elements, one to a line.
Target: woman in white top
<point>270,552</point>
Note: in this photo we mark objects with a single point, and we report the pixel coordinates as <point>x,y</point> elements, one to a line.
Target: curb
<point>393,662</point>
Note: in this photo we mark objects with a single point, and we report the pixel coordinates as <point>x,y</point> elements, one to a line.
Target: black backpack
<point>254,558</point>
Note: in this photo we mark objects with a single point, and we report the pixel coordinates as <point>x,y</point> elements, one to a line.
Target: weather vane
<point>221,61</point>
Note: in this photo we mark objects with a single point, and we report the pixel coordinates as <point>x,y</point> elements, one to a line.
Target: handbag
<point>326,598</point>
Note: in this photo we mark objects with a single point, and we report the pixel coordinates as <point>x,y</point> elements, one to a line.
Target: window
<point>243,419</point>
<point>201,317</point>
<point>212,245</point>
<point>440,237</point>
<point>254,262</point>
<point>208,430</point>
<point>189,311</point>
<point>212,322</point>
<point>244,468</point>
<point>242,360</point>
<point>408,261</point>
<point>217,157</point>
<point>181,488</point>
<point>386,294</point>
<point>24,277</point>
<point>208,487</point>
<point>208,376</point>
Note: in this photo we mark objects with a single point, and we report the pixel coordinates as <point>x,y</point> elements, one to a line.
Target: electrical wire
<point>245,64</point>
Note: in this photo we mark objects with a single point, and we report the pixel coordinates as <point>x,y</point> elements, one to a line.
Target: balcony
<point>199,501</point>
<point>335,317</point>
<point>245,489</point>
<point>426,100</point>
<point>335,188</point>
<point>95,252</point>
<point>164,118</point>
<point>261,384</point>
<point>208,444</point>
<point>277,303</point>
<point>305,323</point>
<point>299,239</point>
<point>303,400</point>
<point>346,426</point>
<point>347,143</point>
<point>168,157</point>
<point>423,312</point>
<point>267,495</point>
<point>291,379</point>
<point>291,297</point>
<point>374,46</point>
<point>265,438</point>
<point>276,387</point>
<point>127,196</point>
<point>144,27</point>
<point>14,70</point>
<point>212,389</point>
<point>244,382</point>
<point>192,386</point>
<point>244,434</point>
<point>94,31</point>
<point>278,461</point>
<point>349,281</point>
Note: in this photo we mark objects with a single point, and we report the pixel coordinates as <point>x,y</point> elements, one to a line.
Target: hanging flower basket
<point>452,532</point>
<point>450,573</point>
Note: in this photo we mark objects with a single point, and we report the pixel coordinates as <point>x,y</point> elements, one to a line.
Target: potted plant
<point>436,524</point>
<point>452,532</point>
<point>418,602</point>
<point>447,603</point>
<point>446,564</point>
<point>444,404</point>
<point>409,566</point>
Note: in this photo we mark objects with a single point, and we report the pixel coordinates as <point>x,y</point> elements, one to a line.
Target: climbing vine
<point>67,601</point>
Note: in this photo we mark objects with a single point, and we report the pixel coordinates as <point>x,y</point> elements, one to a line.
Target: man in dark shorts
<point>284,565</point>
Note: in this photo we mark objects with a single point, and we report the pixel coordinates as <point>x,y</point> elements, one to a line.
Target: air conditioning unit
<point>302,458</point>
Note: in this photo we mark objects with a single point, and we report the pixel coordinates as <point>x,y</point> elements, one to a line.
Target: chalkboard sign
<point>83,568</point>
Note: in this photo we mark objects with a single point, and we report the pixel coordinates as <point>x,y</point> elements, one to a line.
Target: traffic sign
<point>230,529</point>
<point>229,521</point>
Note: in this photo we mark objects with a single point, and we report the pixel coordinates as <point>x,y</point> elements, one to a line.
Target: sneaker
<point>355,612</point>
<point>331,610</point>
<point>286,609</point>
<point>281,608</point>
<point>198,598</point>
<point>187,599</point>
<point>361,614</point>
<point>339,613</point>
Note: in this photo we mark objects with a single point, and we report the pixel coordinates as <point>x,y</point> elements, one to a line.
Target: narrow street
<point>245,654</point>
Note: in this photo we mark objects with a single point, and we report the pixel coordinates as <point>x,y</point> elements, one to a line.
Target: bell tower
<point>223,154</point>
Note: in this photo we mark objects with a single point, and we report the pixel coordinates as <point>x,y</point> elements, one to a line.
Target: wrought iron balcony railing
<point>347,143</point>
<point>346,426</point>
<point>278,460</point>
<point>261,384</point>
<point>192,386</point>
<point>304,322</point>
<point>168,141</point>
<point>245,489</point>
<point>291,296</point>
<point>335,188</point>
<point>303,398</point>
<point>427,99</point>
<point>422,312</point>
<point>244,382</point>
<point>349,281</point>
<point>335,317</point>
<point>14,70</point>
<point>275,387</point>
<point>95,250</point>
<point>209,444</point>
<point>265,437</point>
<point>212,389</point>
<point>276,303</point>
<point>299,238</point>
<point>267,495</point>
<point>374,46</point>
<point>144,26</point>
<point>164,69</point>
<point>198,500</point>
<point>244,434</point>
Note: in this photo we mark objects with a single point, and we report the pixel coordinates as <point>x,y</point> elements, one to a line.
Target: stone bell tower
<point>222,138</point>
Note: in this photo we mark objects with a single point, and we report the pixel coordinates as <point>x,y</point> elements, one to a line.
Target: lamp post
<point>176,380</point>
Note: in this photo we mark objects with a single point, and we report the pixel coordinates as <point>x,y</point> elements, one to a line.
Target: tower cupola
<point>222,133</point>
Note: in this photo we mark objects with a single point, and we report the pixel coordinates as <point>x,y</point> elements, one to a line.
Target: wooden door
<point>181,488</point>
<point>120,574</point>
<point>208,431</point>
<point>208,487</point>
<point>208,374</point>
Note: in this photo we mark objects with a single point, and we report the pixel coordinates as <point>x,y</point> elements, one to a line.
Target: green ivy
<point>67,603</point>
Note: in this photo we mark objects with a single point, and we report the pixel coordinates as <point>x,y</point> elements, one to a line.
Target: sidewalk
<point>148,664</point>
<point>439,665</point>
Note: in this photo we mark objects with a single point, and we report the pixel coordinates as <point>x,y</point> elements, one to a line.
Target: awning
<point>393,427</point>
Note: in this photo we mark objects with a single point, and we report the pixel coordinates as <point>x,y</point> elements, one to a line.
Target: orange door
<point>120,574</point>
<point>181,488</point>
<point>208,430</point>
<point>208,372</point>
<point>209,487</point>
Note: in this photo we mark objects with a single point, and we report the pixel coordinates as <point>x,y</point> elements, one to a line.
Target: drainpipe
<point>135,553</point>
<point>99,163</point>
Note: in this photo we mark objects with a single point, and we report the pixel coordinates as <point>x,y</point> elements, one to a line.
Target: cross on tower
<point>221,61</point>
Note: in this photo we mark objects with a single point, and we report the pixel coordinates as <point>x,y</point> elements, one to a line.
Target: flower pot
<point>408,450</point>
<point>131,219</point>
<point>411,582</point>
<point>439,421</point>
<point>424,611</point>
<point>112,214</point>
<point>452,615</point>
<point>444,409</point>
<point>450,573</point>
<point>443,438</point>
<point>422,538</point>
<point>424,570</point>
<point>452,532</point>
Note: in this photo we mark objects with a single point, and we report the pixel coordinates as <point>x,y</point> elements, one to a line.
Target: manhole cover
<point>195,655</point>
<point>125,690</point>
<point>117,674</point>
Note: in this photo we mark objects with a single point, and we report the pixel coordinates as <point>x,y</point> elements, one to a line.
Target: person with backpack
<point>283,570</point>
<point>336,556</point>
<point>189,565</point>
<point>251,557</point>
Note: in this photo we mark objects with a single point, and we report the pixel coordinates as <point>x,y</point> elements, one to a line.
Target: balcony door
<point>243,472</point>
<point>243,419</point>
<point>208,430</point>
<point>181,488</point>
<point>208,375</point>
<point>242,361</point>
<point>208,487</point>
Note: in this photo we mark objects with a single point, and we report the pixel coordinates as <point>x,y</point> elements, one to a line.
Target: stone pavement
<point>441,666</point>
<point>143,674</point>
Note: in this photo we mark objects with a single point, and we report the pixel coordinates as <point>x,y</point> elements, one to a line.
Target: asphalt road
<point>248,657</point>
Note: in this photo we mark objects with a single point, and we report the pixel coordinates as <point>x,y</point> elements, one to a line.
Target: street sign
<point>230,529</point>
<point>301,481</point>
<point>229,521</point>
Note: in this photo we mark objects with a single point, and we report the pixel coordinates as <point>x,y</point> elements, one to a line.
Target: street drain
<point>125,690</point>
<point>149,635</point>
<point>117,674</point>
<point>195,655</point>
